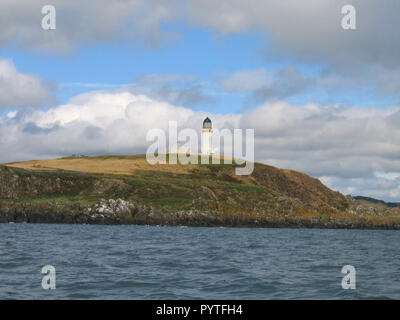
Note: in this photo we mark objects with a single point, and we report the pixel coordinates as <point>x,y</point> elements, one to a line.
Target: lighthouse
<point>206,137</point>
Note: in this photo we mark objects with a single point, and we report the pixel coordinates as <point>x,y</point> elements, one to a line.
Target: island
<point>124,189</point>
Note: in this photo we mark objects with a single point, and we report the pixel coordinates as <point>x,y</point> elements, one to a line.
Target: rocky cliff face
<point>201,196</point>
<point>104,212</point>
<point>300,186</point>
<point>17,184</point>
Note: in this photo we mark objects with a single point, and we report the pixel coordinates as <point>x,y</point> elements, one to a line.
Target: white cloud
<point>19,89</point>
<point>84,22</point>
<point>264,85</point>
<point>261,85</point>
<point>305,31</point>
<point>345,146</point>
<point>309,30</point>
<point>353,150</point>
<point>247,80</point>
<point>93,123</point>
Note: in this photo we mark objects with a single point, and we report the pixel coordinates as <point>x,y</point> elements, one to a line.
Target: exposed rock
<point>208,192</point>
<point>112,207</point>
<point>16,184</point>
<point>207,196</point>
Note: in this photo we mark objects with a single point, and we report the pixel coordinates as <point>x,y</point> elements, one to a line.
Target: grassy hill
<point>172,194</point>
<point>376,203</point>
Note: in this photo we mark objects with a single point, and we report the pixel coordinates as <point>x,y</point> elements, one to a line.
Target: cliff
<point>128,190</point>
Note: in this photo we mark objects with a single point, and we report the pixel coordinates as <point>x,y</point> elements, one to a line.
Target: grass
<point>270,192</point>
<point>169,187</point>
<point>113,164</point>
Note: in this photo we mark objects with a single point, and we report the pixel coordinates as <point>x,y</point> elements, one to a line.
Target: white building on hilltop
<point>206,137</point>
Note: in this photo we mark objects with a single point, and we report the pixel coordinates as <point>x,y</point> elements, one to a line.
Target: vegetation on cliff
<point>126,189</point>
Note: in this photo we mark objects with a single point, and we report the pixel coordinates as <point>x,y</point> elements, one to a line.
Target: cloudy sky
<point>322,100</point>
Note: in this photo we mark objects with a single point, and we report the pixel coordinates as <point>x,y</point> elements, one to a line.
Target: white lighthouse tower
<point>206,137</point>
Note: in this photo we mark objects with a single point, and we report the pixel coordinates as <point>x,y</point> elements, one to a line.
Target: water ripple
<point>142,262</point>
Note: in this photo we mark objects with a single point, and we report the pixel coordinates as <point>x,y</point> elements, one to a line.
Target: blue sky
<point>322,99</point>
<point>203,54</point>
<point>197,52</point>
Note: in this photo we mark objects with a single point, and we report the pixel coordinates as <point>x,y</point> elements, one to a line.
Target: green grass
<point>168,190</point>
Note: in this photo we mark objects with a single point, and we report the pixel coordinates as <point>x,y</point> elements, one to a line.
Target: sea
<point>156,262</point>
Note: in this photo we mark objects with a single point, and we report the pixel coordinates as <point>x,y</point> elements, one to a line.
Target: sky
<point>322,99</point>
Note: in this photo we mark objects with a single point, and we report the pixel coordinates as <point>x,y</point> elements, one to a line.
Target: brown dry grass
<point>124,165</point>
<point>99,165</point>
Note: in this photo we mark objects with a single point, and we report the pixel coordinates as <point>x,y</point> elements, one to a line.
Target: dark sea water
<point>140,262</point>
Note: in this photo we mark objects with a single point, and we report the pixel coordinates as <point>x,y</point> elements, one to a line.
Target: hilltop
<point>376,203</point>
<point>127,189</point>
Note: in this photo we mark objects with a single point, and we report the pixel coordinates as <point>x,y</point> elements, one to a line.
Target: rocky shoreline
<point>121,212</point>
<point>206,196</point>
